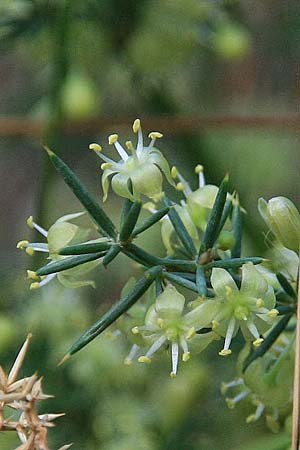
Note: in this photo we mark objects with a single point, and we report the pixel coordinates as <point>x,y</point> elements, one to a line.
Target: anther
<point>136,125</point>
<point>95,147</point>
<point>112,139</point>
<point>22,244</point>
<point>29,222</point>
<point>155,135</point>
<point>186,356</point>
<point>273,313</point>
<point>144,359</point>
<point>29,251</point>
<point>198,169</point>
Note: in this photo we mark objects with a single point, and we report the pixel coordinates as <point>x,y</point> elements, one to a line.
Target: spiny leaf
<point>213,225</point>
<point>232,263</point>
<point>67,263</point>
<point>80,249</point>
<point>286,286</point>
<point>83,195</point>
<point>180,229</point>
<point>237,229</point>
<point>130,221</point>
<point>153,219</point>
<point>201,281</point>
<point>111,254</point>
<point>181,281</point>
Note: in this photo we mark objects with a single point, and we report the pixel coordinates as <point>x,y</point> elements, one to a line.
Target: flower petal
<point>105,181</point>
<point>60,234</point>
<point>120,184</point>
<point>253,282</point>
<point>147,179</point>
<point>202,315</point>
<point>157,158</point>
<point>169,302</point>
<point>221,281</point>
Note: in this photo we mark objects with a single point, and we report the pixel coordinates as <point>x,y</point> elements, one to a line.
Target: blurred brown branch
<point>168,124</point>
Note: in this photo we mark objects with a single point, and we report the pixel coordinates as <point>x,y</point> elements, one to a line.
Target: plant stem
<point>295,429</point>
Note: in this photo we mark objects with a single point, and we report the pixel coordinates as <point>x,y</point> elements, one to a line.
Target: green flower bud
<point>226,240</point>
<point>283,218</point>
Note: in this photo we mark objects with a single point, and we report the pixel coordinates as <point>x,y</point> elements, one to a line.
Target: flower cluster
<point>267,383</point>
<point>226,294</point>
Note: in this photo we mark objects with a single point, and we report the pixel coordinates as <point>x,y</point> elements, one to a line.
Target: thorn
<point>65,358</point>
<point>50,152</point>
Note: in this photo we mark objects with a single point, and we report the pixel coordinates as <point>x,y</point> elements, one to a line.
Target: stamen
<point>190,333</point>
<point>260,303</point>
<point>160,322</point>
<point>253,330</point>
<point>153,136</point>
<point>149,206</point>
<point>47,279</point>
<point>174,172</point>
<point>22,244</point>
<point>199,171</point>
<point>186,356</point>
<point>185,185</point>
<point>258,342</point>
<point>156,346</point>
<point>215,325</point>
<point>32,275</point>
<point>95,147</point>
<point>34,285</point>
<point>106,165</point>
<point>253,417</point>
<point>130,147</point>
<point>135,330</point>
<point>103,157</point>
<point>273,313</point>
<point>132,354</point>
<point>121,151</point>
<point>136,125</point>
<point>144,359</point>
<point>38,247</point>
<point>29,251</point>
<point>231,402</point>
<point>229,333</point>
<point>230,384</point>
<point>32,224</point>
<point>112,139</point>
<point>138,129</point>
<point>179,186</point>
<point>175,352</point>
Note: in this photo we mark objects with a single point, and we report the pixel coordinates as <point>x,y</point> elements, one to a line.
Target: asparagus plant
<point>231,294</point>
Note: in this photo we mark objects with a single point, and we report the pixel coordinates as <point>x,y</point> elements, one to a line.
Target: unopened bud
<point>283,218</point>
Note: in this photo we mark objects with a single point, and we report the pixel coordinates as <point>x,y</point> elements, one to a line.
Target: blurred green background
<point>221,80</point>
